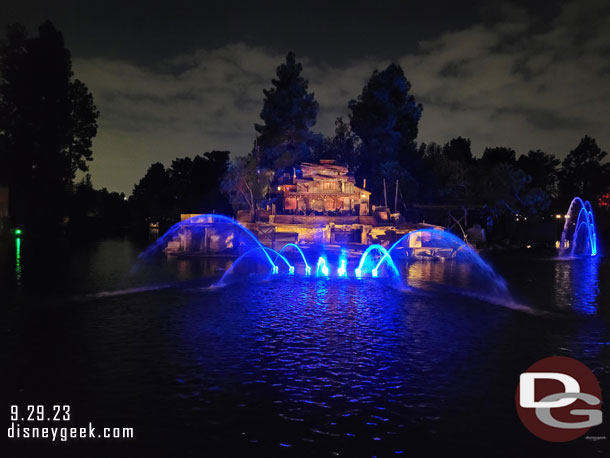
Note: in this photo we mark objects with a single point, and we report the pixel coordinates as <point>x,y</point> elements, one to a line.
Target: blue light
<point>321,267</point>
<point>584,224</point>
<point>385,256</point>
<point>293,245</point>
<point>342,271</point>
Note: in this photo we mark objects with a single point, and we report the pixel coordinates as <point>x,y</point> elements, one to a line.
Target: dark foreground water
<point>292,366</point>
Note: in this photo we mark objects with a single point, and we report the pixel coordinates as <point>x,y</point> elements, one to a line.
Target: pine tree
<point>289,112</point>
<point>385,117</point>
<point>583,173</point>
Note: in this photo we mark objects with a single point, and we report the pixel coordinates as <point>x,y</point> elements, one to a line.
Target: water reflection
<point>577,284</point>
<point>455,275</point>
<point>310,364</point>
<point>18,260</point>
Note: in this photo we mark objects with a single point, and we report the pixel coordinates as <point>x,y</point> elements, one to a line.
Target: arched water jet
<point>454,248</point>
<point>375,270</point>
<point>579,235</point>
<point>293,245</point>
<point>283,258</point>
<point>264,249</point>
<point>213,219</point>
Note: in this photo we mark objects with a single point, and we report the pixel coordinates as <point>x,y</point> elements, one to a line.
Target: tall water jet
<point>321,267</point>
<point>579,236</point>
<point>342,270</point>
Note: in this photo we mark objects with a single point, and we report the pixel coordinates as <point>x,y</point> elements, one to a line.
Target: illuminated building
<point>321,188</point>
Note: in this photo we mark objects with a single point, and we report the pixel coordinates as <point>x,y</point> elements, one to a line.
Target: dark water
<point>292,366</point>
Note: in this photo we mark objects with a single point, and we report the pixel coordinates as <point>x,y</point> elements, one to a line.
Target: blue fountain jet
<point>293,245</point>
<point>342,271</point>
<point>321,267</point>
<point>385,256</point>
<point>584,223</point>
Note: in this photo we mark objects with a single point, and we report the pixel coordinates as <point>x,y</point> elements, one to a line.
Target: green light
<point>18,259</point>
<point>17,231</point>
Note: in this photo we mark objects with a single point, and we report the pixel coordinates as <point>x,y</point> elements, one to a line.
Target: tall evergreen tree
<point>47,122</point>
<point>289,112</point>
<point>385,117</point>
<point>583,173</point>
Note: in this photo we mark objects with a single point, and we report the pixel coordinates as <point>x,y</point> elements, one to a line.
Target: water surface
<point>293,366</point>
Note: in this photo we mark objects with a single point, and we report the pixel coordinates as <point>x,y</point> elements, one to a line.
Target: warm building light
<point>363,196</point>
<point>279,188</point>
<point>558,216</point>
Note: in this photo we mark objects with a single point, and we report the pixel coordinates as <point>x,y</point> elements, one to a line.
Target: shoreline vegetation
<point>378,143</point>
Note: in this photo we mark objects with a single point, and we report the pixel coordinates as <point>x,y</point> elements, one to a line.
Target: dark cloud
<point>508,79</point>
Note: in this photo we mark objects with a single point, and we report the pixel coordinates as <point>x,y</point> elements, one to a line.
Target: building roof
<point>323,170</point>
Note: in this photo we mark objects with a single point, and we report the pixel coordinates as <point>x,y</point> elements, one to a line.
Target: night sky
<point>176,79</point>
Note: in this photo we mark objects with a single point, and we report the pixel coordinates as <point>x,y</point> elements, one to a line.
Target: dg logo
<point>559,399</point>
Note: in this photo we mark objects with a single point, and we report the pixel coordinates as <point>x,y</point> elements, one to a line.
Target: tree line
<point>378,143</point>
<point>48,120</point>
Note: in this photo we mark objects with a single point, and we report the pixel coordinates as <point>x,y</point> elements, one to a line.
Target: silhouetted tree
<point>151,200</point>
<point>289,112</point>
<point>583,173</point>
<point>195,183</point>
<point>543,169</point>
<point>500,187</point>
<point>96,211</point>
<point>190,185</point>
<point>498,155</point>
<point>385,117</point>
<point>446,173</point>
<point>344,146</point>
<point>47,122</point>
<point>458,149</point>
<point>246,184</point>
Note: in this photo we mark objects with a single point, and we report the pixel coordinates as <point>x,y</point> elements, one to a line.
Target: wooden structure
<point>322,188</point>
